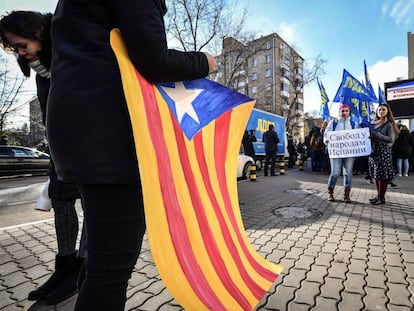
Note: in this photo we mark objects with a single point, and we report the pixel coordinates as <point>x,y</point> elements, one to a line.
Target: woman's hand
<point>212,64</point>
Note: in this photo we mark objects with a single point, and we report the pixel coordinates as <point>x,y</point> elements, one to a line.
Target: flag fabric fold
<point>187,136</point>
<point>324,110</point>
<point>381,96</point>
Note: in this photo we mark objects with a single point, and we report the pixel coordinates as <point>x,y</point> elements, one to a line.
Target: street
<point>17,199</point>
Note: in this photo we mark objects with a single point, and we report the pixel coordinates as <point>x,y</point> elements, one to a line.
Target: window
<point>254,63</point>
<point>254,89</point>
<point>268,45</point>
<point>268,72</point>
<point>268,58</point>
<point>254,76</point>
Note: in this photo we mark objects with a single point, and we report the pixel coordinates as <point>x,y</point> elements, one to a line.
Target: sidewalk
<point>336,256</point>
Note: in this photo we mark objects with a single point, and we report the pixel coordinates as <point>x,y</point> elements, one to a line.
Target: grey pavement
<point>336,256</point>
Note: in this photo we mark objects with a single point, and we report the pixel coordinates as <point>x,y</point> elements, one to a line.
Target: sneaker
<point>392,185</point>
<point>399,175</point>
<point>405,175</point>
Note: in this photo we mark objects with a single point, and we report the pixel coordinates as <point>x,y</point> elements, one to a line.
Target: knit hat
<point>342,106</point>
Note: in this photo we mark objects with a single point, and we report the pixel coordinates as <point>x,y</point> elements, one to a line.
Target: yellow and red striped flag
<point>187,136</point>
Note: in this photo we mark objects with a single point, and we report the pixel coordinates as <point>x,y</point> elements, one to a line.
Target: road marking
<point>27,224</point>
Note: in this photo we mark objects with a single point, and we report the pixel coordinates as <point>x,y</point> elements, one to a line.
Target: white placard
<point>349,143</point>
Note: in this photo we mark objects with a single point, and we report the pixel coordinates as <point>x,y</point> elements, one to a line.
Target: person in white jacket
<point>346,164</point>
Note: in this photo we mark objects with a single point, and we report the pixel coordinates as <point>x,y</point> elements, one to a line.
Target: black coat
<point>403,145</point>
<point>58,190</point>
<point>271,140</point>
<point>88,125</point>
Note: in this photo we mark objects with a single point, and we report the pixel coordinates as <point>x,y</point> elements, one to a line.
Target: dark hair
<point>30,25</point>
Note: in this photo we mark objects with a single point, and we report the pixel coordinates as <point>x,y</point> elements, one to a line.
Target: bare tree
<point>313,68</point>
<point>11,87</point>
<point>202,24</point>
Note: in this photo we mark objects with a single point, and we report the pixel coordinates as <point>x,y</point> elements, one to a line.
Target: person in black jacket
<point>402,148</point>
<point>247,141</point>
<point>270,140</point>
<point>90,133</point>
<point>27,34</point>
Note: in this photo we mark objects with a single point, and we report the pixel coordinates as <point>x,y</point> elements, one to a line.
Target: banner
<point>349,143</point>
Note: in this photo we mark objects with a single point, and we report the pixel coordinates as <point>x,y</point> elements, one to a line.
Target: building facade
<point>268,70</point>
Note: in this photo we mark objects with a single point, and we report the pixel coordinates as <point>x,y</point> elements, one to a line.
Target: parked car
<point>243,166</point>
<point>16,160</point>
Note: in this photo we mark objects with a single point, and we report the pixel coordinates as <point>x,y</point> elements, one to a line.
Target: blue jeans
<point>400,163</point>
<point>347,166</point>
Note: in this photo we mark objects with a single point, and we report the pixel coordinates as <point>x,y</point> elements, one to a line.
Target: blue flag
<point>352,88</point>
<point>368,84</point>
<point>381,96</point>
<point>324,111</point>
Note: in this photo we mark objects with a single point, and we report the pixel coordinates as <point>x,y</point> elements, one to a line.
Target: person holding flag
<point>90,133</point>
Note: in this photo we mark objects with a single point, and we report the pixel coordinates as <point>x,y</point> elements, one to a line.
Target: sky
<point>345,33</point>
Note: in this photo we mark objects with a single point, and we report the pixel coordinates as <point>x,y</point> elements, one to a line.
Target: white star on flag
<point>183,99</point>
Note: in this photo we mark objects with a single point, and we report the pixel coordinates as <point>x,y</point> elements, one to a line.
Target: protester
<point>270,140</point>
<point>383,133</point>
<point>89,130</point>
<point>27,34</point>
<point>402,148</point>
<point>293,153</point>
<point>317,148</point>
<point>248,139</point>
<point>338,164</point>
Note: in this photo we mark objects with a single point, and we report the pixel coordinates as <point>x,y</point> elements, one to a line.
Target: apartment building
<point>268,70</point>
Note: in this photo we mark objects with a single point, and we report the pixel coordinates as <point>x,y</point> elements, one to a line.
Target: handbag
<point>44,203</point>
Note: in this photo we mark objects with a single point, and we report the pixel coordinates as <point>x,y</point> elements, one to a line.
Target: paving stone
<point>295,253</point>
<point>307,293</point>
<point>351,301</point>
<point>294,306</point>
<point>294,277</point>
<point>14,279</point>
<point>357,266</point>
<point>361,243</point>
<point>305,262</point>
<point>324,259</point>
<point>394,260</point>
<point>313,250</point>
<point>392,307</point>
<point>392,248</point>
<point>330,248</point>
<point>396,275</point>
<point>287,264</point>
<point>136,301</point>
<point>407,245</point>
<point>5,300</point>
<point>8,268</point>
<point>374,250</point>
<point>323,303</point>
<point>408,256</point>
<point>21,291</point>
<point>36,272</point>
<point>398,294</point>
<point>355,283</point>
<point>5,258</point>
<point>332,288</point>
<point>360,253</point>
<point>281,298</point>
<point>376,278</point>
<point>376,263</point>
<point>317,273</point>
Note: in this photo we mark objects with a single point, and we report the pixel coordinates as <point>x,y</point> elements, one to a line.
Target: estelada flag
<point>187,136</point>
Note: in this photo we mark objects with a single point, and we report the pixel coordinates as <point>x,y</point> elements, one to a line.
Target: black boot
<point>378,200</point>
<point>67,287</point>
<point>54,280</point>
